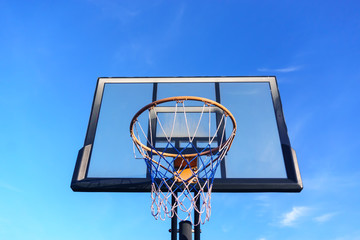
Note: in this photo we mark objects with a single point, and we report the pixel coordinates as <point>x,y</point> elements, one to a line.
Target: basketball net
<point>183,171</point>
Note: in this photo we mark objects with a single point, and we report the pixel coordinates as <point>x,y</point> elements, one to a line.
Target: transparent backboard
<point>260,159</point>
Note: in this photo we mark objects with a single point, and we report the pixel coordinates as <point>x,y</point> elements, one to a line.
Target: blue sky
<point>52,53</point>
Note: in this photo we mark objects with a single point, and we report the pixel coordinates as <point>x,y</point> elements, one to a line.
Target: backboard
<point>260,159</point>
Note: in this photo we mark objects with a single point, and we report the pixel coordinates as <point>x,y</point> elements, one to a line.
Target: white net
<point>183,146</point>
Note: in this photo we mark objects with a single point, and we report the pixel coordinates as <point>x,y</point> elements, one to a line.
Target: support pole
<point>197,229</point>
<point>185,230</point>
<point>174,221</point>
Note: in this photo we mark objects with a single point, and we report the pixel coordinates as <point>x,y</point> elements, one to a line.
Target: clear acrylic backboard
<point>260,159</point>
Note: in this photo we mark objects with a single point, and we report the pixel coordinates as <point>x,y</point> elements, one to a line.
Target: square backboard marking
<point>260,160</point>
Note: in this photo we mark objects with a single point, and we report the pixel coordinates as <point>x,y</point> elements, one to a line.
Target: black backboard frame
<point>82,183</point>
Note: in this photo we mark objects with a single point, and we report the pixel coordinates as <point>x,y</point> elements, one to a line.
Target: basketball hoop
<point>184,166</point>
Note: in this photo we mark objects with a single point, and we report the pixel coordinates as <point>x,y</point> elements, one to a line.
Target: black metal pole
<point>185,230</point>
<point>197,220</point>
<point>174,220</point>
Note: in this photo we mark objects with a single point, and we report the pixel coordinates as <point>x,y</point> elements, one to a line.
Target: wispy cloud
<point>117,10</point>
<point>290,218</point>
<point>263,200</point>
<point>226,228</point>
<point>9,187</point>
<point>4,220</point>
<point>325,217</point>
<point>147,47</point>
<point>326,181</point>
<point>350,236</point>
<point>280,70</point>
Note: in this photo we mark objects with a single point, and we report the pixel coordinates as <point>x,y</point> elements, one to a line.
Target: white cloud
<point>281,70</point>
<point>325,217</point>
<point>290,218</point>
